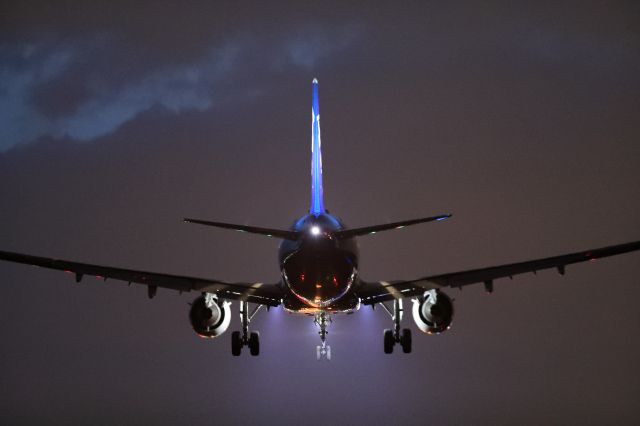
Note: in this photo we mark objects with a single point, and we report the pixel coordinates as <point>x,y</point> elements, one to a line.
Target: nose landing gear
<point>323,351</point>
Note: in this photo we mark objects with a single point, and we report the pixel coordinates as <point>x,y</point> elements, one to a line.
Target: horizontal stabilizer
<point>348,233</point>
<point>279,233</point>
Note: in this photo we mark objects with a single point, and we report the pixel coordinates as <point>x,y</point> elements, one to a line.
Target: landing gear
<point>322,320</point>
<point>389,341</point>
<point>236,343</point>
<point>323,351</point>
<point>252,340</point>
<point>391,337</point>
<point>254,343</point>
<point>405,340</point>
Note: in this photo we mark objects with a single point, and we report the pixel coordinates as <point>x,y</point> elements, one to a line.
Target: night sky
<point>117,121</point>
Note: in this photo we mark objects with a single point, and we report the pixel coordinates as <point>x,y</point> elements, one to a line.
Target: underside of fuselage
<point>319,271</point>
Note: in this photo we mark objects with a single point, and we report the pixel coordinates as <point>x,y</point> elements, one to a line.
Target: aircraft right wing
<point>380,291</point>
<point>260,293</point>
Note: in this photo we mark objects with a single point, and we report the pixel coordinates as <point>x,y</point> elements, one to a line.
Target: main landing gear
<point>252,340</point>
<point>322,320</point>
<point>391,337</point>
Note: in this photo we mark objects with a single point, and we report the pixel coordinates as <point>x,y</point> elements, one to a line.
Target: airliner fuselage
<point>319,270</point>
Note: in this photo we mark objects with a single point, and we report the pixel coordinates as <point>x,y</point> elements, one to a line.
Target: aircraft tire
<point>236,343</point>
<point>254,343</point>
<point>405,340</point>
<point>388,341</point>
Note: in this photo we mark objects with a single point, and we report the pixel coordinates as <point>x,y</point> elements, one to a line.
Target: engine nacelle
<point>209,317</point>
<point>433,313</point>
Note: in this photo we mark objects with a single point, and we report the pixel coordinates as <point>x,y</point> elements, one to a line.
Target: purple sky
<point>116,121</point>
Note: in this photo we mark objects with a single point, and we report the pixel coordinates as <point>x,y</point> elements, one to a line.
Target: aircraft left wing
<point>380,291</point>
<point>264,294</point>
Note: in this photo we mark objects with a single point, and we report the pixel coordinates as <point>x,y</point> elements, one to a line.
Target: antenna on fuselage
<point>317,203</point>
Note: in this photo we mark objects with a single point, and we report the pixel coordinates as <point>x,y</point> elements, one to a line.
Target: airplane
<point>318,261</point>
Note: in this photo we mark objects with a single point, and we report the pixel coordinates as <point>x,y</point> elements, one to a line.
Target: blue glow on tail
<point>317,203</point>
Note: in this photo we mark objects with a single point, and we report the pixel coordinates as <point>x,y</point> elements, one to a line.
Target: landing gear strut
<point>391,337</point>
<point>322,320</point>
<point>252,340</point>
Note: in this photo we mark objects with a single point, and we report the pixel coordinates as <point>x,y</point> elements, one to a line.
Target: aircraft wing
<point>380,291</point>
<point>264,294</point>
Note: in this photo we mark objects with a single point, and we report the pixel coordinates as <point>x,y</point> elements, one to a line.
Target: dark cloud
<point>88,88</point>
<point>83,70</point>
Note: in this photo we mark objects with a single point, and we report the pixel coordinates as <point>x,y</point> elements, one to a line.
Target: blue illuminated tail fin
<point>317,203</point>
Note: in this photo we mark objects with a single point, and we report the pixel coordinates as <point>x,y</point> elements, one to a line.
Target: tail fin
<point>317,203</point>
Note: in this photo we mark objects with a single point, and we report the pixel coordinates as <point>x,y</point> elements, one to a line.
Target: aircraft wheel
<point>405,341</point>
<point>388,341</point>
<point>254,343</point>
<point>236,343</point>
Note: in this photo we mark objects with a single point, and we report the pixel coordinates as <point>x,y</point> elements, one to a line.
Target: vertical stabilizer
<point>317,203</point>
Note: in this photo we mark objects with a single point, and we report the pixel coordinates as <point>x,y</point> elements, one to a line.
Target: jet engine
<point>208,316</point>
<point>433,312</point>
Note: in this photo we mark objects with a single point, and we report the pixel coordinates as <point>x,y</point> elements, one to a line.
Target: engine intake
<point>433,313</point>
<point>209,317</point>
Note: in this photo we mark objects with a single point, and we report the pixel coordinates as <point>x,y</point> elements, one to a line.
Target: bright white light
<point>315,230</point>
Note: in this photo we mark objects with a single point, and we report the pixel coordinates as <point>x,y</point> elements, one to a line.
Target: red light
<point>335,281</point>
<point>301,277</point>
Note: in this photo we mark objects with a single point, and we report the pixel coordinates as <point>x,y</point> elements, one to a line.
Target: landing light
<point>315,230</point>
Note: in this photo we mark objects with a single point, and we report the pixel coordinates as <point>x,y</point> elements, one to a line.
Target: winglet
<point>317,203</point>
